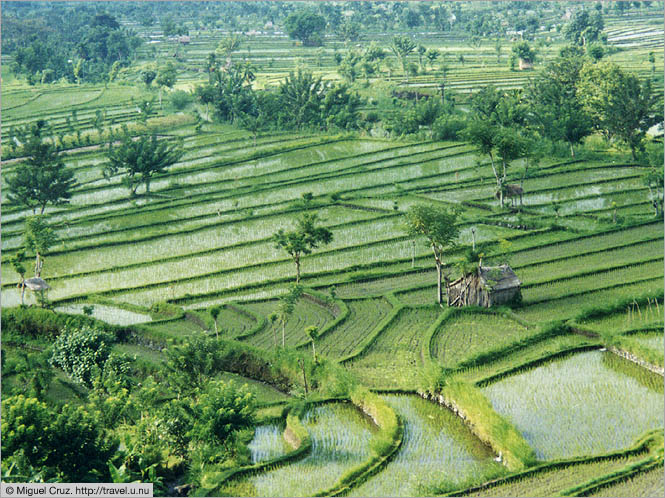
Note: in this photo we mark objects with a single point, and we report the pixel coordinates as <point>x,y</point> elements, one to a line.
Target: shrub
<point>181,99</point>
<point>221,411</point>
<point>82,354</point>
<point>447,128</point>
<point>70,444</point>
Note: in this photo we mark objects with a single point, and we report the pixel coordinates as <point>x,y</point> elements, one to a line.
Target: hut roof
<point>37,284</point>
<point>499,277</point>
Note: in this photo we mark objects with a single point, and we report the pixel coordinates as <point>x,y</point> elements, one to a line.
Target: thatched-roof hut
<point>37,284</point>
<point>488,286</point>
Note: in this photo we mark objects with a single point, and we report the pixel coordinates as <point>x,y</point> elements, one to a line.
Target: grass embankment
<point>384,444</point>
<point>645,448</point>
<point>475,409</point>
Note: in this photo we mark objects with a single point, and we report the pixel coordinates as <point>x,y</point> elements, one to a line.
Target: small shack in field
<point>37,284</point>
<point>488,286</point>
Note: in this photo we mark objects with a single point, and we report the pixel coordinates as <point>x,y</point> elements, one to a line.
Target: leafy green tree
<point>432,55</point>
<point>306,237</point>
<point>39,238</point>
<point>595,51</point>
<point>214,313</point>
<point>653,178</point>
<point>584,27</point>
<point>166,77</point>
<point>341,107</point>
<point>229,44</point>
<point>555,105</point>
<point>140,160</point>
<point>618,103</point>
<point>41,179</point>
<point>509,146</point>
<point>438,226</point>
<point>70,445</point>
<point>402,46</point>
<point>220,411</point>
<point>307,26</point>
<point>82,353</point>
<point>33,375</point>
<point>313,333</point>
<point>230,91</point>
<point>148,76</point>
<point>524,52</point>
<point>349,30</point>
<point>302,95</point>
<point>191,365</point>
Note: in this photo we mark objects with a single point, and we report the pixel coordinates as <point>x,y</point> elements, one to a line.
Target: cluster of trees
<point>186,412</point>
<point>572,98</point>
<point>301,100</point>
<point>84,46</point>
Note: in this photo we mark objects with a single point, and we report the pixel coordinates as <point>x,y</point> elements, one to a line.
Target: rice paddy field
<point>579,406</point>
<point>585,245</point>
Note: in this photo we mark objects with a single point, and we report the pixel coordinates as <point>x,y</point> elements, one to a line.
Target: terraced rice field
<point>552,482</point>
<point>364,316</point>
<point>467,335</point>
<point>392,360</point>
<point>577,406</point>
<point>642,485</point>
<point>307,313</point>
<point>437,447</point>
<point>585,236</point>
<point>340,440</point>
<point>268,443</point>
<point>109,314</point>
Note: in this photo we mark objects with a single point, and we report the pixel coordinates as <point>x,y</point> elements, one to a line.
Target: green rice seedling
<point>418,297</point>
<point>559,288</point>
<point>108,314</point>
<point>633,317</point>
<point>577,406</point>
<point>364,315</point>
<point>653,341</point>
<point>469,334</point>
<point>436,446</point>
<point>340,440</point>
<point>234,321</point>
<point>393,359</point>
<point>551,482</point>
<point>568,307</point>
<point>268,443</point>
<point>306,313</point>
<point>586,263</point>
<point>642,485</point>
<point>384,284</point>
<point>520,356</point>
<point>581,245</point>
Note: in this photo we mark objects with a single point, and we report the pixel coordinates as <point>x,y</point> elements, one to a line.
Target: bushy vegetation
<point>341,147</point>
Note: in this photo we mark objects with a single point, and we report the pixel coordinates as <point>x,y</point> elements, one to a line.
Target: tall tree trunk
<point>38,265</point>
<point>313,350</point>
<point>297,262</point>
<point>22,290</point>
<point>572,150</point>
<point>439,291</point>
<point>283,332</point>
